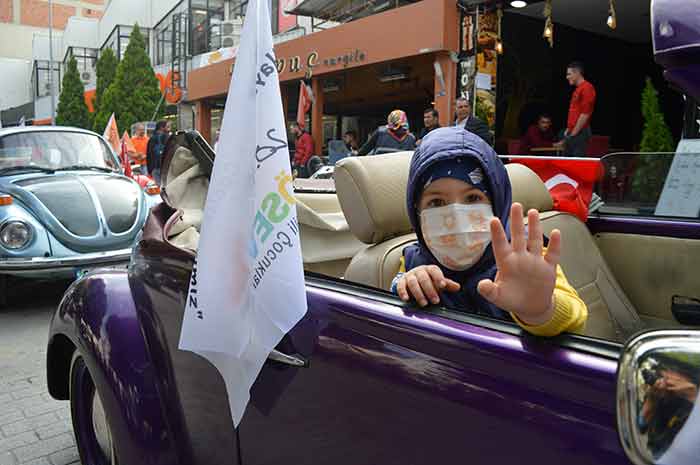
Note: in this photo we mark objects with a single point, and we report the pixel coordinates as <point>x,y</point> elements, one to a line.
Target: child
<point>459,199</point>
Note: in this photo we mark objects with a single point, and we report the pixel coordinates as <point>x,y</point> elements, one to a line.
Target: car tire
<point>92,431</point>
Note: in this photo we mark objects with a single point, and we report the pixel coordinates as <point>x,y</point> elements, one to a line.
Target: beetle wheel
<point>92,432</point>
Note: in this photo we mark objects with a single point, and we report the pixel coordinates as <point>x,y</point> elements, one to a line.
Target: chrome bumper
<point>51,264</point>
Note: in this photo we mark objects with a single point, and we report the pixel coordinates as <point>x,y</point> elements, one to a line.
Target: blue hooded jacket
<point>450,143</point>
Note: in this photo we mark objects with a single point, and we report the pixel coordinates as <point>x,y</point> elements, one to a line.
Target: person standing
<point>155,148</point>
<point>539,134</point>
<point>578,125</point>
<point>431,121</point>
<point>394,137</point>
<point>303,147</point>
<point>471,123</point>
<point>140,141</point>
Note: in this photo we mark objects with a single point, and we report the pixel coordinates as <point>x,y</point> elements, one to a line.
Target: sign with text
<point>681,193</point>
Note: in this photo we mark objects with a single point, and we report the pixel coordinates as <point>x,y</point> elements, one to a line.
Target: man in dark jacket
<point>471,123</point>
<point>431,121</point>
<point>394,137</point>
<point>155,148</point>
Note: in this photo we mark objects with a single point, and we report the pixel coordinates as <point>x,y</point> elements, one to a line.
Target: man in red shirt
<point>578,127</point>
<point>538,135</point>
<point>303,147</point>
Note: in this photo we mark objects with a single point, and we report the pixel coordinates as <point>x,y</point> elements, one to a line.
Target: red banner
<point>570,182</point>
<point>286,21</point>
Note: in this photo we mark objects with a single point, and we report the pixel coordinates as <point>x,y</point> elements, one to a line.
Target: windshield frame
<point>107,161</point>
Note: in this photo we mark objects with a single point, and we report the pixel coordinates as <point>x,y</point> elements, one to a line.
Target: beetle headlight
<point>15,234</point>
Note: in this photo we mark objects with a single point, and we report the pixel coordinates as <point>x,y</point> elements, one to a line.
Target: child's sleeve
<point>395,281</point>
<point>570,312</point>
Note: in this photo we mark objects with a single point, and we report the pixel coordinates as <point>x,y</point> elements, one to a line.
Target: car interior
<point>359,232</point>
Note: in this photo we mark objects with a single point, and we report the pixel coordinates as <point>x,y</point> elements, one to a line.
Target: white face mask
<point>457,234</point>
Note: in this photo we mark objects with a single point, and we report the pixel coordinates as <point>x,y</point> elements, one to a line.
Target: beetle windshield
<point>52,150</point>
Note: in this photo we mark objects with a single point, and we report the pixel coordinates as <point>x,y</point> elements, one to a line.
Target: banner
<point>570,182</point>
<point>305,101</point>
<point>111,133</point>
<point>285,20</point>
<point>247,284</point>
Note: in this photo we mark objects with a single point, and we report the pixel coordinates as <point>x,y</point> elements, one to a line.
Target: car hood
<point>85,211</point>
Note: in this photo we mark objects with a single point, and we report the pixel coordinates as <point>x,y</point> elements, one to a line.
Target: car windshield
<point>54,150</point>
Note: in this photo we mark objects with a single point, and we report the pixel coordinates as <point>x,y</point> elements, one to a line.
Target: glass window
<point>54,150</point>
<point>41,77</point>
<point>652,184</point>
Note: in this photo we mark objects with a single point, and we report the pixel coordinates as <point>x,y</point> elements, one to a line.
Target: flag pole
<point>53,100</point>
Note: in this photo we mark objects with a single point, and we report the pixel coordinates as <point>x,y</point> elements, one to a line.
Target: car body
<point>72,207</point>
<point>365,378</point>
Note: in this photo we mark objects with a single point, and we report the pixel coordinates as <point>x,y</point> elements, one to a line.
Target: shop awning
<point>344,10</point>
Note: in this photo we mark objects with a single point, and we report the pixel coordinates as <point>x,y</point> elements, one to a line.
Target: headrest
<point>372,193</point>
<point>528,188</point>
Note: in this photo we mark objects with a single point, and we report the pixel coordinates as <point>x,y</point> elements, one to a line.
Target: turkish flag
<point>305,101</point>
<point>570,182</point>
<point>124,156</point>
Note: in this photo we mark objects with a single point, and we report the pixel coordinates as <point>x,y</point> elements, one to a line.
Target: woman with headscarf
<point>460,205</point>
<point>394,137</point>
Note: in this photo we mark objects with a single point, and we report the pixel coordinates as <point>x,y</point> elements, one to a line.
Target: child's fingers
<point>426,283</point>
<point>553,248</point>
<point>401,289</point>
<point>415,290</point>
<point>452,286</point>
<point>437,276</point>
<point>534,232</point>
<point>517,228</point>
<point>488,289</point>
<point>499,241</point>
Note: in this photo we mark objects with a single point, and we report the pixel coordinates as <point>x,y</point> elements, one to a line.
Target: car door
<point>388,383</point>
<point>648,231</point>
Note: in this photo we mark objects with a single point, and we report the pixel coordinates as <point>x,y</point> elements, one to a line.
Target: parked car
<point>65,205</point>
<point>364,378</point>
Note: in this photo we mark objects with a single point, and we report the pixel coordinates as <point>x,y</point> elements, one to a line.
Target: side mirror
<point>658,414</point>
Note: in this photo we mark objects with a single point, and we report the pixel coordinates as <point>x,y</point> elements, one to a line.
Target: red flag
<point>124,156</point>
<point>305,100</point>
<point>570,182</point>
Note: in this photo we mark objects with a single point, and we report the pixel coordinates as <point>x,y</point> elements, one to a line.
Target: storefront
<point>509,62</point>
<point>359,71</point>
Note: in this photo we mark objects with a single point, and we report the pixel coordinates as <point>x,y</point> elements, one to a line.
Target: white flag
<point>247,287</point>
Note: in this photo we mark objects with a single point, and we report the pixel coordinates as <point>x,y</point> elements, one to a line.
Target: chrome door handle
<point>277,356</point>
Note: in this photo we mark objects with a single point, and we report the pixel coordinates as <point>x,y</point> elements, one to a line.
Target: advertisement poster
<point>487,65</point>
<point>286,21</point>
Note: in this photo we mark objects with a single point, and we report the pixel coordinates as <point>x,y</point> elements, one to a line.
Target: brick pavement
<point>34,428</point>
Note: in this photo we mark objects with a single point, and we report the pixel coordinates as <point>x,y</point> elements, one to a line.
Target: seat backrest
<point>372,193</point>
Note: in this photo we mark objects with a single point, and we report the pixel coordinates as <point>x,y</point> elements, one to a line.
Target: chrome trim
<point>30,228</point>
<point>50,263</point>
<point>628,395</point>
<point>277,356</point>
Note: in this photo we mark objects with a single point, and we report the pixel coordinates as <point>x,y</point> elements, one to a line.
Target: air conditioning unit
<point>231,32</point>
<point>87,76</point>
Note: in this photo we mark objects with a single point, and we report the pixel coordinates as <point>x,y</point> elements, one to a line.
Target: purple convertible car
<point>365,379</point>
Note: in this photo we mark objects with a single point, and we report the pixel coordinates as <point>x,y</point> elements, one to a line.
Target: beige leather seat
<point>372,190</point>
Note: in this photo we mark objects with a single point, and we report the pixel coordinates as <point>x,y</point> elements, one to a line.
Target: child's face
<point>446,191</point>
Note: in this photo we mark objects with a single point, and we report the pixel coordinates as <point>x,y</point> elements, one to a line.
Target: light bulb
<point>612,22</point>
<point>499,47</point>
<point>518,4</point>
<point>548,32</point>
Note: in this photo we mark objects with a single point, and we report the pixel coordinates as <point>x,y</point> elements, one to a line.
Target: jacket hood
<point>451,143</point>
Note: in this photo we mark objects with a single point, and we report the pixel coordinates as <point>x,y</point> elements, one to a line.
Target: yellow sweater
<point>570,312</point>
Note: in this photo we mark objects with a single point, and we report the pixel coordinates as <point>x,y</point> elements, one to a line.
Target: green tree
<point>135,93</point>
<point>656,137</point>
<point>106,71</point>
<point>72,110</point>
